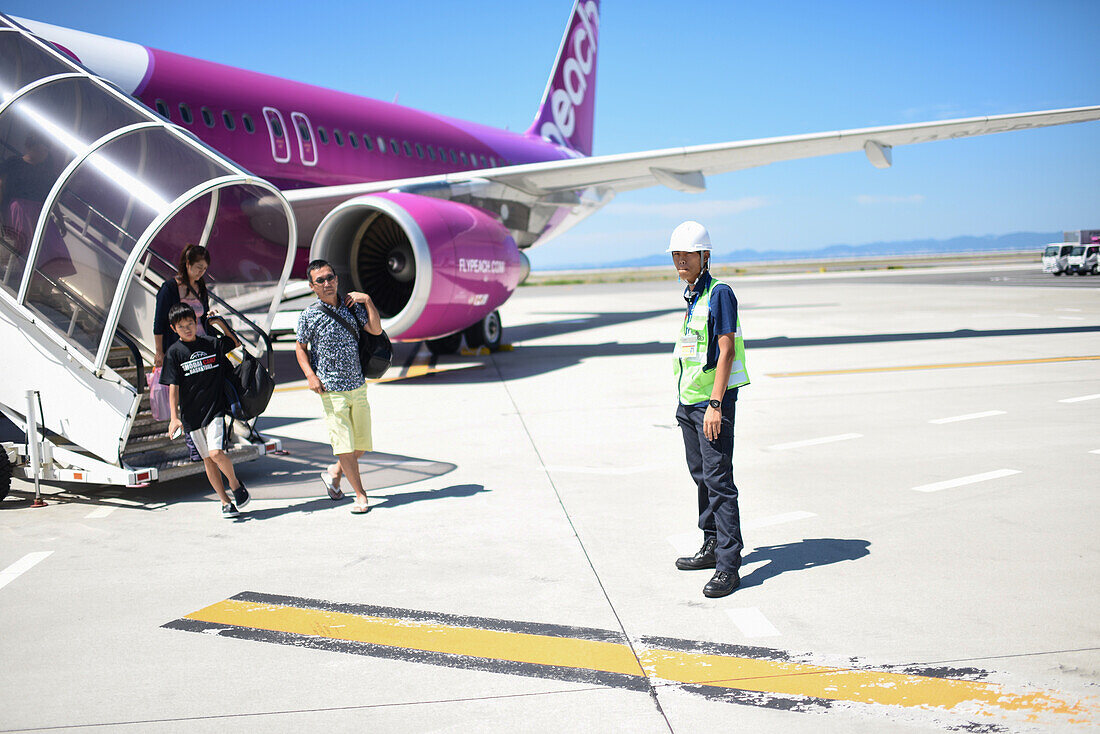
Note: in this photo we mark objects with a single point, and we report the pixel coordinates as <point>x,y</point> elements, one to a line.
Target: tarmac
<point>918,458</point>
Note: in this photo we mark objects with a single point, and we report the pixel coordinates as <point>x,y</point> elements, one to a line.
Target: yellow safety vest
<point>693,383</point>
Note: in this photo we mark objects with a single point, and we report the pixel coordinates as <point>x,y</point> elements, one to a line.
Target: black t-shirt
<point>199,368</point>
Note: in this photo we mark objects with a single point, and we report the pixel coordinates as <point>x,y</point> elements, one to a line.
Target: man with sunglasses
<point>328,353</point>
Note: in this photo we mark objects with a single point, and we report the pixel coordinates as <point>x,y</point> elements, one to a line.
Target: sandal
<point>360,508</point>
<point>334,492</point>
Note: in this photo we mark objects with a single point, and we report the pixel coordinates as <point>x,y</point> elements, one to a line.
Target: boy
<point>194,369</point>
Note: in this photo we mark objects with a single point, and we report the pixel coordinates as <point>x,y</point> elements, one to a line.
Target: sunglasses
<point>325,279</point>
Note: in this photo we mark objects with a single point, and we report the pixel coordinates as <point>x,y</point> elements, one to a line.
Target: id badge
<point>688,346</point>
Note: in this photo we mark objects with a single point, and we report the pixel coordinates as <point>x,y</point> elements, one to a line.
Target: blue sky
<point>710,72</point>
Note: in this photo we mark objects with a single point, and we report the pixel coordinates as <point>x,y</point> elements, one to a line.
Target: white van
<point>1056,257</point>
<point>1084,259</point>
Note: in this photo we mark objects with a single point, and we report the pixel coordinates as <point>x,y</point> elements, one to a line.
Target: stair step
<point>146,425</point>
<point>151,450</point>
<point>150,441</point>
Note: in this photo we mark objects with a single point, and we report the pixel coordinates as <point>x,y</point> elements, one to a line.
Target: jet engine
<point>432,267</point>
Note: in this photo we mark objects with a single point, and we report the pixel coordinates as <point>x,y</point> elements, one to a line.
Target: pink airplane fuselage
<point>465,246</point>
<point>174,80</point>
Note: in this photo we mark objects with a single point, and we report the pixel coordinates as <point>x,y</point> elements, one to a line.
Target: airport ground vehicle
<point>1084,260</point>
<point>1056,257</point>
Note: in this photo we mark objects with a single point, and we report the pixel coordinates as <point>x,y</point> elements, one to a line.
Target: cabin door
<point>304,130</point>
<point>276,128</point>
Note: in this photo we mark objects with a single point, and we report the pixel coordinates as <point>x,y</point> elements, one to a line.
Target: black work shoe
<point>703,558</point>
<point>722,583</point>
<point>241,497</point>
<point>230,511</point>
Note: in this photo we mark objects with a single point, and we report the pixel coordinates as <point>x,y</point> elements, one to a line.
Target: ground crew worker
<point>710,367</point>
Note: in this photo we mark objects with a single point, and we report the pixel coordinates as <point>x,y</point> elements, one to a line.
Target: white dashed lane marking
<point>752,622</point>
<point>1095,451</point>
<point>24,564</point>
<point>100,512</point>
<point>972,479</point>
<point>815,441</point>
<point>967,417</point>
<point>1072,318</point>
<point>1079,399</point>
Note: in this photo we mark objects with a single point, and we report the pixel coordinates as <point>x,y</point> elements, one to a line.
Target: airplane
<point>432,215</point>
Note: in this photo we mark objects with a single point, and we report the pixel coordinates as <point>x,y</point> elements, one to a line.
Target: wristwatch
<point>716,404</point>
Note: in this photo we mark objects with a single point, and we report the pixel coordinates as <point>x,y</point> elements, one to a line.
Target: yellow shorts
<point>347,415</point>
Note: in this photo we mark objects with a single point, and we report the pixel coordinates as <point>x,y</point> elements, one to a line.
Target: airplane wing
<point>685,169</point>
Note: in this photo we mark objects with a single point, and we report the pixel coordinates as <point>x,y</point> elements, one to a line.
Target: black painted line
<point>486,623</point>
<point>450,660</point>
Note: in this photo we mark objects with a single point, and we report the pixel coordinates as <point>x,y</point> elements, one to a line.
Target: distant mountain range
<point>988,243</point>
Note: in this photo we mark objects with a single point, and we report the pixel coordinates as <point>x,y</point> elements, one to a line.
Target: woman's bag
<point>158,397</point>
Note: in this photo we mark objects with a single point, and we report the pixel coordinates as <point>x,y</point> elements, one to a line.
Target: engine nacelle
<point>431,266</point>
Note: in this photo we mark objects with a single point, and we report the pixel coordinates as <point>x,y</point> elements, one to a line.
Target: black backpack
<point>375,350</point>
<point>248,388</point>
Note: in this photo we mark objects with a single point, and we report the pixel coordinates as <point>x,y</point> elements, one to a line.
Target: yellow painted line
<point>519,647</point>
<point>966,697</point>
<point>840,684</point>
<point>950,365</point>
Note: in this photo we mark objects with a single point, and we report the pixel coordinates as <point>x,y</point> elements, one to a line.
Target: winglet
<point>568,108</point>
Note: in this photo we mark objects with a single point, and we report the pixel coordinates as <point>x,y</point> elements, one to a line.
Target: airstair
<point>99,197</point>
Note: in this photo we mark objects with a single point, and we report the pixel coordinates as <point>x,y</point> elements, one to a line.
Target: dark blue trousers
<point>711,466</point>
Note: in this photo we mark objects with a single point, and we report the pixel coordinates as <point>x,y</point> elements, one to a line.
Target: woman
<point>188,286</point>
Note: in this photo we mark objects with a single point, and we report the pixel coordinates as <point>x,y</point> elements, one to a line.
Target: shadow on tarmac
<point>391,501</point>
<point>806,553</point>
<point>537,359</point>
<point>388,502</point>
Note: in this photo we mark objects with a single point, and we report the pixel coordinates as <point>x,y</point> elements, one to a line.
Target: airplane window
<point>492,161</point>
<point>408,150</point>
<point>249,127</point>
<point>431,153</point>
<point>227,118</point>
<point>420,151</point>
<point>462,156</point>
<point>303,130</point>
<point>453,158</point>
<point>381,145</point>
<point>366,141</point>
<point>185,113</point>
<point>393,146</point>
<point>338,138</point>
<point>208,117</point>
<point>442,154</point>
<point>162,109</point>
<point>484,163</point>
<point>353,140</point>
<point>322,135</point>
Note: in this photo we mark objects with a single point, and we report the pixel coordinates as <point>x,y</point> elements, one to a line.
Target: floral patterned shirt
<point>333,351</point>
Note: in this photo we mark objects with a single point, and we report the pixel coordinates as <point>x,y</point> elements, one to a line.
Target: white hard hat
<point>689,237</point>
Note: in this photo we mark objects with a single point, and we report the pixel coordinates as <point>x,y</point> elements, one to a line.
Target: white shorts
<point>209,437</point>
